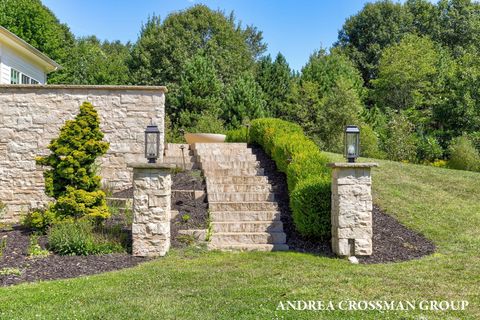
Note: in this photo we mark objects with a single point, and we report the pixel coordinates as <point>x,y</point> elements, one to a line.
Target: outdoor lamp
<point>152,143</point>
<point>352,143</point>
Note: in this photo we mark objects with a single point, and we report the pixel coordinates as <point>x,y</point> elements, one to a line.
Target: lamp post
<point>152,143</point>
<point>352,143</point>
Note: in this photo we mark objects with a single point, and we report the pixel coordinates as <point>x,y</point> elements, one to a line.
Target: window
<point>14,76</point>
<point>25,79</point>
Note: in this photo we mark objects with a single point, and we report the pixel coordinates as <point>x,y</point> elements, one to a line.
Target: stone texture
<point>32,116</point>
<point>352,209</point>
<point>151,211</point>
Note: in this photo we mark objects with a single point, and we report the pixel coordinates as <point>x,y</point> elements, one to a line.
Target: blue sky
<point>294,27</point>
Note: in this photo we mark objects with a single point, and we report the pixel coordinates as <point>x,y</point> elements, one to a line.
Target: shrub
<point>400,143</point>
<point>237,135</point>
<point>71,179</point>
<point>311,205</point>
<point>439,163</point>
<point>78,238</point>
<point>308,178</point>
<point>463,155</point>
<point>429,149</point>
<point>39,220</point>
<point>369,143</point>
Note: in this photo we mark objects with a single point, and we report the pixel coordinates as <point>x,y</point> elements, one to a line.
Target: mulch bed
<point>392,242</point>
<point>186,204</point>
<point>54,266</point>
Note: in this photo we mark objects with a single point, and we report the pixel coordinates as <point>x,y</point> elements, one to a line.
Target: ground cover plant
<point>441,204</point>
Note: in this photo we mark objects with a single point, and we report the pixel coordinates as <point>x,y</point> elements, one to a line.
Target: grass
<point>442,204</point>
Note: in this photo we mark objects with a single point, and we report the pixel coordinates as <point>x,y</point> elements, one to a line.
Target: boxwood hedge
<point>308,177</point>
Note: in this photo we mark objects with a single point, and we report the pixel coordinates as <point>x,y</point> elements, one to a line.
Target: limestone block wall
<point>151,209</point>
<point>31,116</point>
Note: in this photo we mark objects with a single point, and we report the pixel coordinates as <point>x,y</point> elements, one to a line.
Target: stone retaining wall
<point>31,116</point>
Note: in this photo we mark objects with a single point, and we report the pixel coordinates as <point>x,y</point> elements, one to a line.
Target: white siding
<point>11,59</point>
<point>4,70</point>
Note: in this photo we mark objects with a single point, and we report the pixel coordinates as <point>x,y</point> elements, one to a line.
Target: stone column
<point>151,209</point>
<point>352,208</point>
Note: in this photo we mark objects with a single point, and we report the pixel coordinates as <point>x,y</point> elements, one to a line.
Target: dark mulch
<point>392,242</point>
<point>188,180</point>
<point>54,266</point>
<point>196,209</point>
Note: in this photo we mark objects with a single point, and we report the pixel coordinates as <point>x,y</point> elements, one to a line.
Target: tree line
<point>407,73</point>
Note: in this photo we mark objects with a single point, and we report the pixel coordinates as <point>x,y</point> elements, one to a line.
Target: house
<point>20,63</point>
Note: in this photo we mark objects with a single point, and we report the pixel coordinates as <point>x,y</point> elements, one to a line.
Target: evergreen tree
<point>275,79</point>
<point>71,179</point>
<point>244,101</point>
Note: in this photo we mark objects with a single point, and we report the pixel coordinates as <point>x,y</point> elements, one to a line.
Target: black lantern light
<point>152,143</point>
<point>352,143</point>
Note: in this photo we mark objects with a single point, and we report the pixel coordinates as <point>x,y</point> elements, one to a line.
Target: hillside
<point>442,204</point>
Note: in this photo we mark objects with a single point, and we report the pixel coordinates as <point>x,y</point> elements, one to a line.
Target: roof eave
<point>48,64</point>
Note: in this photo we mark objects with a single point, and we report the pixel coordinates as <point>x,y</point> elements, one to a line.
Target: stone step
<point>259,180</point>
<point>171,146</point>
<point>192,194</point>
<point>178,159</point>
<point>225,153</point>
<point>243,206</point>
<point>250,247</point>
<point>227,238</point>
<point>233,172</point>
<point>250,226</point>
<point>238,216</point>
<point>220,146</point>
<point>230,165</point>
<point>178,154</point>
<point>226,157</point>
<point>174,150</point>
<point>261,187</point>
<point>187,166</point>
<point>240,196</point>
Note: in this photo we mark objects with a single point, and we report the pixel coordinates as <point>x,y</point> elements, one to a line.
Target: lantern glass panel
<point>352,145</point>
<point>152,145</point>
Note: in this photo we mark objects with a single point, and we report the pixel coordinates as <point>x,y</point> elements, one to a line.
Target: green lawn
<point>442,204</point>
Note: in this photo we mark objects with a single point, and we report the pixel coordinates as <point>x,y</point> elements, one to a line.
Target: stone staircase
<point>173,155</point>
<point>243,211</point>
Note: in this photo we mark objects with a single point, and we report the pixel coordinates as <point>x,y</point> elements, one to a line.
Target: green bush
<point>71,179</point>
<point>369,143</point>
<point>78,238</point>
<point>237,135</point>
<point>429,149</point>
<point>39,220</point>
<point>308,178</point>
<point>400,143</point>
<point>463,155</point>
<point>311,205</point>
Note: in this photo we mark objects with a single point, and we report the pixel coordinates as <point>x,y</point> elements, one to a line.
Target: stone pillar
<point>152,184</point>
<point>352,208</point>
